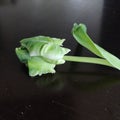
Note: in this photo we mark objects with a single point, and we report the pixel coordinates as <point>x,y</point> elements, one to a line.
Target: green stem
<point>87,60</point>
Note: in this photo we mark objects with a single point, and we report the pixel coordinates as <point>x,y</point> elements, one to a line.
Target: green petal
<point>37,66</point>
<point>53,53</point>
<point>22,54</point>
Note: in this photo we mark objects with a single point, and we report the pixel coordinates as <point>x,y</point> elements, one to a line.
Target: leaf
<point>80,34</point>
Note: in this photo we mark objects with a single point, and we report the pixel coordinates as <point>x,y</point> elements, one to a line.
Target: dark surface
<point>77,91</point>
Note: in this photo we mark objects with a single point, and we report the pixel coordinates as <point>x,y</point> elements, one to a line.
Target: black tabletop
<point>77,91</point>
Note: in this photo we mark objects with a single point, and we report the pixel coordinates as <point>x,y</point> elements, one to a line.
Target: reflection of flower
<point>50,81</point>
<point>41,54</point>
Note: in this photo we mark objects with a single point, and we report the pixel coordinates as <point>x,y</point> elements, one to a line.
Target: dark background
<point>77,91</point>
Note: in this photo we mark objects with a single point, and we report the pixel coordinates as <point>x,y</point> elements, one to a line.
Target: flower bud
<point>41,54</point>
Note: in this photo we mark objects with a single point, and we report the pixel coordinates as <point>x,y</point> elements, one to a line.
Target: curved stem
<point>87,60</point>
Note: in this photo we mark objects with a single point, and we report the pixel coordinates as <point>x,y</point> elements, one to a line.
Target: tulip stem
<point>87,60</point>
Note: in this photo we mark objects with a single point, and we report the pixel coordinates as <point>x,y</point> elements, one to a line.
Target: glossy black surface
<point>77,91</point>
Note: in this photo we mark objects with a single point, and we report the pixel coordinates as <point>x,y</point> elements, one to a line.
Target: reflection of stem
<point>58,81</point>
<point>88,60</point>
<point>93,85</point>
